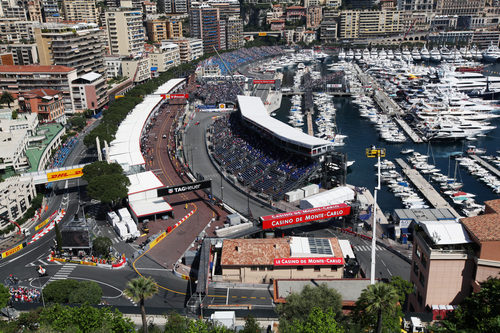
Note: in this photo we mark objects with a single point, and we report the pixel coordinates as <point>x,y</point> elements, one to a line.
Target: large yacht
<point>445,54</point>
<point>341,55</point>
<point>415,54</point>
<point>435,55</point>
<point>349,55</point>
<point>406,54</point>
<point>424,54</point>
<point>358,55</point>
<point>397,54</point>
<point>491,54</point>
<point>390,54</point>
<point>476,54</point>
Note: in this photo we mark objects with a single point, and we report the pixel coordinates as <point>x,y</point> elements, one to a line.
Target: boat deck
<point>409,131</point>
<point>427,190</point>
<point>485,164</point>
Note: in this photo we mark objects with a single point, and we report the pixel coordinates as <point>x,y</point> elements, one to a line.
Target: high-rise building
<point>15,31</point>
<point>227,8</point>
<point>159,30</point>
<point>313,17</point>
<point>50,11</point>
<point>416,5</point>
<point>12,9</point>
<point>370,23</point>
<point>459,7</point>
<point>80,11</point>
<point>234,33</point>
<point>126,35</point>
<point>206,25</point>
<point>329,26</point>
<point>189,48</point>
<point>80,46</point>
<point>175,6</point>
<point>24,54</point>
<point>35,11</point>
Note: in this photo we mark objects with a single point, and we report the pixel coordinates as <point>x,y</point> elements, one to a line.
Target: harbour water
<point>362,134</point>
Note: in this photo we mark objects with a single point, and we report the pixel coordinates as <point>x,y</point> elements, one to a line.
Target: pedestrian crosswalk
<point>361,248</point>
<point>63,273</point>
<point>42,262</point>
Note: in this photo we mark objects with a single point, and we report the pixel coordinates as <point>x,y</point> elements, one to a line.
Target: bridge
<point>56,174</point>
<point>394,39</point>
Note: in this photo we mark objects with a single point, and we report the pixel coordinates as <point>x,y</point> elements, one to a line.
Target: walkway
<point>409,131</point>
<point>485,164</point>
<point>428,191</point>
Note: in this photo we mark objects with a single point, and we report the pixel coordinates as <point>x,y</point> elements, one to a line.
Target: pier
<point>309,124</point>
<point>427,190</point>
<point>408,130</point>
<point>485,164</point>
<point>331,93</point>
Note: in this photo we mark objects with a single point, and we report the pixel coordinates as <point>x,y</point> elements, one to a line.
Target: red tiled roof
<point>255,252</point>
<point>485,227</point>
<point>34,68</point>
<point>296,7</point>
<point>42,92</point>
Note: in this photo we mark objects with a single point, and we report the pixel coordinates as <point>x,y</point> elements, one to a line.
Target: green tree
<point>317,322</point>
<point>251,326</point>
<point>58,237</point>
<point>14,114</point>
<point>72,291</point>
<point>403,287</point>
<point>298,306</point>
<point>139,290</point>
<point>375,302</point>
<point>176,323</point>
<point>4,296</point>
<point>106,182</point>
<point>479,312</point>
<point>6,98</point>
<point>101,245</point>
<point>78,122</point>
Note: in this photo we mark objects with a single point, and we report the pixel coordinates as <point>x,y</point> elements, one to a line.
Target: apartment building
<point>14,139</point>
<point>80,46</point>
<point>295,13</point>
<point>416,5</point>
<point>176,6</point>
<point>460,7</point>
<point>80,11</point>
<point>329,26</point>
<point>113,66</point>
<point>15,31</point>
<point>276,13</point>
<point>12,9</point>
<point>370,23</point>
<point>35,11</point>
<point>50,11</point>
<point>157,30</point>
<point>312,3</point>
<point>149,7</point>
<point>47,103</point>
<point>265,260</point>
<point>313,17</point>
<point>333,4</point>
<point>234,33</point>
<point>16,194</point>
<point>189,48</point>
<point>89,92</point>
<point>137,69</point>
<point>24,54</point>
<point>17,79</point>
<point>227,8</point>
<point>206,24</point>
<point>126,35</point>
<point>165,57</point>
<point>442,265</point>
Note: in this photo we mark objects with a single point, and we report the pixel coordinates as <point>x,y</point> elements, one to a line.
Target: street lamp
<point>370,153</point>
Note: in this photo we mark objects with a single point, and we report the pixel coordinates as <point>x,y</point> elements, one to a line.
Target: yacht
<point>470,82</point>
<point>424,54</point>
<point>435,55</point>
<point>406,54</point>
<point>455,55</point>
<point>358,54</point>
<point>476,54</point>
<point>466,53</point>
<point>491,54</point>
<point>349,55</point>
<point>390,54</point>
<point>382,55</point>
<point>445,54</point>
<point>397,54</point>
<point>341,55</point>
<point>374,54</point>
<point>415,54</point>
<point>366,54</point>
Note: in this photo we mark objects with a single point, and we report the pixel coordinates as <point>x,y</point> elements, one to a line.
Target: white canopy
<point>334,196</point>
<point>253,110</point>
<point>149,207</point>
<point>446,232</point>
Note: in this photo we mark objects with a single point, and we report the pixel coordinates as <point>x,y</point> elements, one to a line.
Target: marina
<point>485,164</point>
<point>427,190</point>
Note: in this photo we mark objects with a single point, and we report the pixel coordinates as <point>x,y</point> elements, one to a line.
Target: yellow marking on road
<point>253,297</point>
<point>263,297</point>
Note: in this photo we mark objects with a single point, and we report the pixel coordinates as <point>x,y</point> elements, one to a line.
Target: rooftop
<point>445,232</point>
<point>35,69</point>
<point>41,92</point>
<point>35,151</point>
<point>256,252</point>
<point>485,227</point>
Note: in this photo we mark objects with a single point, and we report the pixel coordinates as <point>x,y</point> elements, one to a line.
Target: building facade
<point>234,33</point>
<point>157,30</point>
<point>206,25</point>
<point>80,46</point>
<point>459,7</point>
<point>126,34</point>
<point>264,260</point>
<point>89,92</point>
<point>370,23</point>
<point>314,17</point>
<point>80,11</point>
<point>15,31</point>
<point>14,139</point>
<point>47,103</point>
<point>113,66</point>
<point>17,79</point>
<point>138,69</point>
<point>165,57</point>
<point>189,48</point>
<point>24,54</point>
<point>16,194</point>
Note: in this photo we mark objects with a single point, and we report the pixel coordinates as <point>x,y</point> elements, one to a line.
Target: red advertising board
<point>174,96</point>
<point>308,261</point>
<point>303,216</point>
<point>264,81</point>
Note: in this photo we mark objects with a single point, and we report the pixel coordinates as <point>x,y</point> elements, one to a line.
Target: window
<point>422,280</point>
<point>415,268</point>
<point>300,268</point>
<point>316,268</point>
<point>419,299</point>
<point>417,252</point>
<point>253,268</point>
<point>333,268</point>
<point>423,260</point>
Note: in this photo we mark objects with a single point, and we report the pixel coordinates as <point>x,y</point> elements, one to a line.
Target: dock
<point>331,93</point>
<point>309,124</point>
<point>485,164</point>
<point>408,130</point>
<point>427,190</point>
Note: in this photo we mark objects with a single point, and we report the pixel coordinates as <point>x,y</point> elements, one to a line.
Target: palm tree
<point>140,289</point>
<point>6,98</point>
<point>377,298</point>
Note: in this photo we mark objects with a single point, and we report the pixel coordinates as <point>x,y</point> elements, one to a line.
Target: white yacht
<point>349,55</point>
<point>366,54</point>
<point>397,54</point>
<point>424,54</point>
<point>358,54</point>
<point>415,54</point>
<point>465,52</point>
<point>374,54</point>
<point>406,54</point>
<point>445,54</point>
<point>469,81</point>
<point>491,54</point>
<point>382,55</point>
<point>341,55</point>
<point>455,55</point>
<point>435,55</point>
<point>476,54</point>
<point>390,54</point>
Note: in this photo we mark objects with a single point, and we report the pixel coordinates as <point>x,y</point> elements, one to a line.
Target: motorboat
<point>406,54</point>
<point>349,55</point>
<point>424,54</point>
<point>358,55</point>
<point>415,54</point>
<point>366,54</point>
<point>397,54</point>
<point>341,55</point>
<point>491,54</point>
<point>382,55</point>
<point>445,54</point>
<point>407,151</point>
<point>435,55</point>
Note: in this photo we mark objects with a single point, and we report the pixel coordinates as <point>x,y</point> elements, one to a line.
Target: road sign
<point>375,152</point>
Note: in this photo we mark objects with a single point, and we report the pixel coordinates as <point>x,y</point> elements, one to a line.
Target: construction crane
<point>409,29</point>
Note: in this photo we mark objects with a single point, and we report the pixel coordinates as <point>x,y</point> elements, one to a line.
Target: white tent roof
<point>149,207</point>
<point>332,197</point>
<point>125,148</point>
<point>446,232</point>
<point>143,181</point>
<point>346,248</point>
<point>253,110</point>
